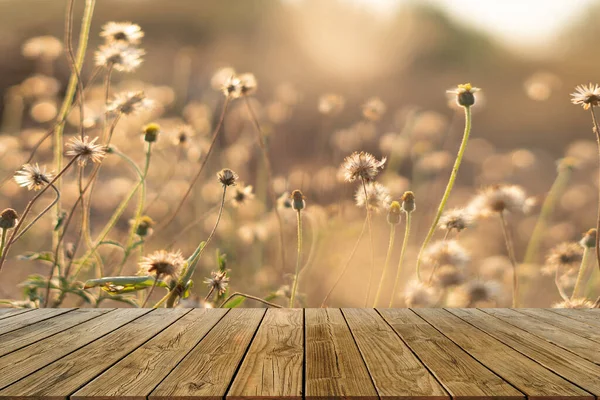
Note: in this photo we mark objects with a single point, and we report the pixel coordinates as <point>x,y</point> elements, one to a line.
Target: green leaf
<point>41,256</point>
<point>235,302</point>
<point>112,243</point>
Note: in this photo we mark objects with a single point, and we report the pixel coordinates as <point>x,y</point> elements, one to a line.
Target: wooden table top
<point>299,353</point>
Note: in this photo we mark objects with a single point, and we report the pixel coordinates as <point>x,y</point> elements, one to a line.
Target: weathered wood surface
<point>433,354</point>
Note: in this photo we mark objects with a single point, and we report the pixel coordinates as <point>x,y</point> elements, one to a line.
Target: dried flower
<point>465,94</point>
<point>418,294</point>
<point>589,239</point>
<point>162,263</point>
<point>144,227</point>
<point>574,303</point>
<point>497,199</point>
<point>120,56</point>
<point>33,177</point>
<point>458,219</point>
<point>394,213</point>
<point>151,132</point>
<point>219,281</point>
<point>361,165</point>
<point>446,252</point>
<point>331,104</point>
<point>232,87</point>
<point>408,202</point>
<point>126,32</point>
<point>586,96</point>
<point>241,195</point>
<point>129,103</point>
<point>227,177</point>
<point>8,219</point>
<point>377,197</point>
<point>373,109</point>
<point>248,83</point>
<point>298,202</point>
<point>86,150</point>
<point>564,255</point>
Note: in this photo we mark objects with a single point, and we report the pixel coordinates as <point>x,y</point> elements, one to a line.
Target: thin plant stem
<point>25,212</point>
<point>236,294</point>
<point>66,105</point>
<point>402,252</point>
<point>457,162</point>
<point>386,263</point>
<point>581,273</point>
<point>346,265</point>
<point>270,189</point>
<point>190,268</point>
<point>597,132</point>
<point>372,246</point>
<point>151,291</point>
<point>199,172</point>
<point>556,191</point>
<point>210,292</point>
<point>3,240</point>
<point>511,256</point>
<point>44,211</point>
<point>561,291</point>
<point>298,259</point>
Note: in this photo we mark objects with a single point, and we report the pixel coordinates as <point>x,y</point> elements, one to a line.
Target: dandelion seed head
<point>417,294</point>
<point>162,264</point>
<point>563,256</point>
<point>8,219</point>
<point>361,165</point>
<point>122,57</point>
<point>458,219</point>
<point>586,96</point>
<point>86,150</point>
<point>376,198</point>
<point>497,199</point>
<point>241,195</point>
<point>130,103</point>
<point>227,177</point>
<point>218,281</point>
<point>446,252</point>
<point>32,176</point>
<point>122,32</point>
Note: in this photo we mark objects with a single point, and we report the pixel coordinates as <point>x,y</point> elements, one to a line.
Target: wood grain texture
<point>11,312</point>
<point>396,372</point>
<point>566,364</point>
<point>579,314</point>
<point>567,340</point>
<point>334,367</point>
<point>207,371</point>
<point>135,376</point>
<point>525,374</point>
<point>23,320</point>
<point>20,363</point>
<point>580,328</point>
<point>274,363</point>
<point>63,377</point>
<point>460,374</point>
<point>33,333</point>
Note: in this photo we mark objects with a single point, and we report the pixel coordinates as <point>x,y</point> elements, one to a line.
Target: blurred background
<point>527,56</point>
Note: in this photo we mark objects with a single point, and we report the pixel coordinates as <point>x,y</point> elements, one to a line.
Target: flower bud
<point>298,202</point>
<point>589,239</point>
<point>144,227</point>
<point>394,213</point>
<point>465,94</point>
<point>151,132</point>
<point>8,218</point>
<point>408,202</point>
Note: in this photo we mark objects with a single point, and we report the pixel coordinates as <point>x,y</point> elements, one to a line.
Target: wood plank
<point>566,364</point>
<point>20,363</point>
<point>274,363</point>
<point>14,311</point>
<point>520,371</point>
<point>460,374</point>
<point>207,371</point>
<point>396,372</point>
<point>33,333</point>
<point>579,315</point>
<point>23,320</point>
<point>64,376</point>
<point>577,327</point>
<point>334,367</point>
<point>135,376</point>
<point>567,340</point>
